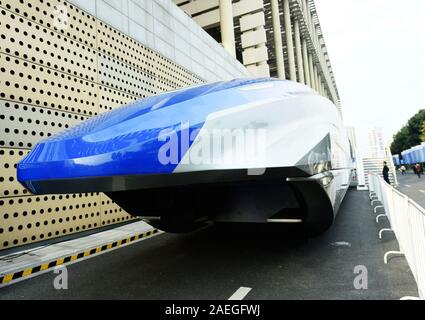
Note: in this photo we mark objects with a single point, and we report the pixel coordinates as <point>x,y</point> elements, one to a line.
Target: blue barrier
<point>414,155</point>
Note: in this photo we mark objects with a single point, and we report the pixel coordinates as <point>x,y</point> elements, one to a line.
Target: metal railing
<point>407,221</point>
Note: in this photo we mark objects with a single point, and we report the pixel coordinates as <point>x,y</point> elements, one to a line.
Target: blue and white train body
<point>414,155</point>
<point>396,160</point>
<point>250,151</point>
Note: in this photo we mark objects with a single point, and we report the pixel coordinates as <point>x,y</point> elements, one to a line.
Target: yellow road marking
<point>44,266</point>
<point>8,278</point>
<point>27,272</point>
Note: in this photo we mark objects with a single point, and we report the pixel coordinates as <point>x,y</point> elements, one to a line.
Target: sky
<point>377,51</point>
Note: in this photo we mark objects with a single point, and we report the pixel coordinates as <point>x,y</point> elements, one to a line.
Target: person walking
<point>418,170</point>
<point>403,170</point>
<point>385,173</point>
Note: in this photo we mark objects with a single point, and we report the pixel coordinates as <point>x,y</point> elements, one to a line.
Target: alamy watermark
<point>216,148</point>
<point>361,281</point>
<point>60,282</point>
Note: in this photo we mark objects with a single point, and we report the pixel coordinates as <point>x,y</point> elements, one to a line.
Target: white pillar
<point>304,7</point>
<point>320,81</point>
<point>309,19</point>
<point>306,66</point>
<point>320,85</point>
<point>277,32</point>
<point>311,65</point>
<point>227,27</point>
<point>298,49</point>
<point>289,42</point>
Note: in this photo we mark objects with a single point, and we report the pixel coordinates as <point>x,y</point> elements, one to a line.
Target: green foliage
<point>422,136</point>
<point>411,134</point>
<point>400,141</point>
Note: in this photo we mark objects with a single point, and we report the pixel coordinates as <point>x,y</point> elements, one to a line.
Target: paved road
<point>214,263</point>
<point>413,187</point>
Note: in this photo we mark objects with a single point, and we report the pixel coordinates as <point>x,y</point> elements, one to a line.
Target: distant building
<point>376,146</point>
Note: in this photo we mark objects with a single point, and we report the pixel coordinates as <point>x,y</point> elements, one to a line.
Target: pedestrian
<point>418,170</point>
<point>403,170</point>
<point>385,173</point>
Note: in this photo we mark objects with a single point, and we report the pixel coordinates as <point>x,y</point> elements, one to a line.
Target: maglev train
<point>262,151</point>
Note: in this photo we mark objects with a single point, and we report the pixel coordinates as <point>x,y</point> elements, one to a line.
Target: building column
<point>298,49</point>
<point>289,42</point>
<point>320,86</point>
<point>277,32</point>
<point>306,66</point>
<point>311,67</point>
<point>316,79</point>
<point>227,27</point>
<point>304,7</point>
<point>309,18</point>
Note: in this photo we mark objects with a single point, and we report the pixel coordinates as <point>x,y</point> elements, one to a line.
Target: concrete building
<point>277,38</point>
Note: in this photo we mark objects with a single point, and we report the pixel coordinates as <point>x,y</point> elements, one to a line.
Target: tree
<point>423,132</point>
<point>410,135</point>
<point>400,141</point>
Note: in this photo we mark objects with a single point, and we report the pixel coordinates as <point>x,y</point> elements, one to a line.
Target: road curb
<point>11,277</point>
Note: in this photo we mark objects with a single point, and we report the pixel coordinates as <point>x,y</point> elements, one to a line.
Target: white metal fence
<point>407,220</point>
